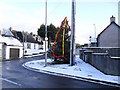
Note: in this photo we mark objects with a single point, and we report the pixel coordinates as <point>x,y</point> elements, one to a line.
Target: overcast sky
<point>28,15</point>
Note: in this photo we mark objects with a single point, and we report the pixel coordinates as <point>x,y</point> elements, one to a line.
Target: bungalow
<point>10,47</point>
<point>33,44</point>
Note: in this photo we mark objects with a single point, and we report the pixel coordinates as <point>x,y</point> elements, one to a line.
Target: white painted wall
<point>7,51</point>
<point>44,46</point>
<point>32,50</point>
<point>0,45</point>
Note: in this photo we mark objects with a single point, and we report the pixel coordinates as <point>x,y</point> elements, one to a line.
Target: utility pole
<point>23,42</point>
<point>72,43</point>
<point>46,33</point>
<point>119,13</point>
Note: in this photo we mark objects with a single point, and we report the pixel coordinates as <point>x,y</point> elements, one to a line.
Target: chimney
<point>112,19</point>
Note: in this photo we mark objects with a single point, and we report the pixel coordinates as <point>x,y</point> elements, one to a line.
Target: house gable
<point>108,27</point>
<point>109,36</point>
<point>25,37</point>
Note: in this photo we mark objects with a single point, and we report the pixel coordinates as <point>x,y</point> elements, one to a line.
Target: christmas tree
<point>61,47</point>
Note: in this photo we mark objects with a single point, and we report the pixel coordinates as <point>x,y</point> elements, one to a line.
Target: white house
<point>93,42</point>
<point>33,44</point>
<point>10,47</point>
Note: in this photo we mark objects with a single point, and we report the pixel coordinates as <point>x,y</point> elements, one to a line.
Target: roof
<point>18,35</point>
<point>7,38</point>
<point>109,26</point>
<point>10,41</point>
<point>27,37</point>
<point>6,32</point>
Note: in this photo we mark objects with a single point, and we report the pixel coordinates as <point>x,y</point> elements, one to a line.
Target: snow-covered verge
<point>80,69</point>
<point>28,56</point>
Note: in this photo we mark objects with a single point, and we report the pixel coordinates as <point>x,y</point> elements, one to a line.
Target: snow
<point>10,41</point>
<point>8,38</point>
<point>6,32</point>
<point>100,53</point>
<point>80,69</point>
<point>115,57</point>
<point>27,56</point>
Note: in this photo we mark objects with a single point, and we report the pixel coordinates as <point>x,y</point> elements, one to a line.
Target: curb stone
<point>74,77</point>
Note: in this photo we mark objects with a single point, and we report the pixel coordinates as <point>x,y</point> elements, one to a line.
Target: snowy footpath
<point>79,70</point>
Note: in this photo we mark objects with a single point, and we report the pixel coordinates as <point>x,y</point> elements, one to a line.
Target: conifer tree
<point>61,47</point>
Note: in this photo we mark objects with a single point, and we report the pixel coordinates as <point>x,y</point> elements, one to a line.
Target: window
<point>28,46</point>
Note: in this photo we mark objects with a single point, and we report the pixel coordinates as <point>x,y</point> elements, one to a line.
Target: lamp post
<point>72,42</point>
<point>94,30</point>
<point>23,43</point>
<point>95,35</point>
<point>46,33</point>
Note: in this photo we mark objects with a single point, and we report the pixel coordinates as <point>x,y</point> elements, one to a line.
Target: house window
<point>28,46</point>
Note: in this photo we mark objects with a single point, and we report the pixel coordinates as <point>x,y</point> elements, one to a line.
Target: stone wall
<point>106,60</point>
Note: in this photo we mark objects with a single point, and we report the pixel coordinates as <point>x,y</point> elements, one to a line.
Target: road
<point>14,75</point>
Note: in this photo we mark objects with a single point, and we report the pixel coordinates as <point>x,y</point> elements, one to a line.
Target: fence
<point>106,60</point>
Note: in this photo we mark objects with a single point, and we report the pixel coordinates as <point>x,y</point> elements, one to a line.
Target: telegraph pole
<point>119,13</point>
<point>72,43</point>
<point>46,33</point>
<point>23,43</point>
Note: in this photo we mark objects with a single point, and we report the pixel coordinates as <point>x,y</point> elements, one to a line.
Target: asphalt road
<point>14,75</point>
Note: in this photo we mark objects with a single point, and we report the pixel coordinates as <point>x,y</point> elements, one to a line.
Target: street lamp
<point>46,33</point>
<point>94,30</point>
<point>72,41</point>
<point>23,43</point>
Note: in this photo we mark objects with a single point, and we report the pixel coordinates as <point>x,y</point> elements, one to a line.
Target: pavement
<point>14,75</point>
<point>80,71</point>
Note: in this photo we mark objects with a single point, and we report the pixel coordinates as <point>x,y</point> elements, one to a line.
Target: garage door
<point>14,53</point>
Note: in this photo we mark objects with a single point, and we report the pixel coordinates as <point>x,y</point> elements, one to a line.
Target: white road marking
<point>10,81</point>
